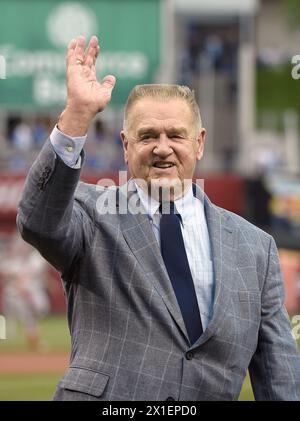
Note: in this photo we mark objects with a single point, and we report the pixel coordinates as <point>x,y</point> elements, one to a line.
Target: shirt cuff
<point>67,148</point>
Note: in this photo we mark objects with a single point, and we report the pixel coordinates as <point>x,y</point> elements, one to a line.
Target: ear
<point>200,143</point>
<point>125,145</point>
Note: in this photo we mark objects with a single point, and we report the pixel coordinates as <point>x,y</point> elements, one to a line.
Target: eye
<point>177,137</point>
<point>145,139</point>
<point>148,137</point>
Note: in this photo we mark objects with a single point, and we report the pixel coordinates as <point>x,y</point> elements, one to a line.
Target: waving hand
<point>86,96</point>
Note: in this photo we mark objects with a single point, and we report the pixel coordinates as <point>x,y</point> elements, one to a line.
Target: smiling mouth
<point>163,165</point>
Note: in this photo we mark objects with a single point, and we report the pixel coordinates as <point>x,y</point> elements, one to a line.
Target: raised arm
<point>49,217</point>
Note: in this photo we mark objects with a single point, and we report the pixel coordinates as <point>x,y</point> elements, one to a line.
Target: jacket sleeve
<point>49,218</point>
<point>275,367</point>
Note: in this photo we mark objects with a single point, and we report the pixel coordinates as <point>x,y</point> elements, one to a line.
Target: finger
<point>72,44</point>
<point>90,57</point>
<point>91,51</point>
<point>97,50</point>
<point>96,54</point>
<point>79,49</point>
<point>108,82</point>
<point>71,52</point>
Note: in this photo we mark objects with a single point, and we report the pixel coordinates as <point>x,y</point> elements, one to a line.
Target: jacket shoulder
<point>91,197</point>
<point>249,231</point>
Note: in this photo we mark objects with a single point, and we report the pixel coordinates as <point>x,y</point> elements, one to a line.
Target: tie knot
<point>169,208</point>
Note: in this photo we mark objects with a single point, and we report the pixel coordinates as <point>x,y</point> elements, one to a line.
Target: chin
<point>165,189</point>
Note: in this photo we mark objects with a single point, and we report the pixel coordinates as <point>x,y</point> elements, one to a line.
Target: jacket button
<point>189,355</point>
<point>170,398</point>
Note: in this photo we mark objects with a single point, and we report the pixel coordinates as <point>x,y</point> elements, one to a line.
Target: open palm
<point>85,93</point>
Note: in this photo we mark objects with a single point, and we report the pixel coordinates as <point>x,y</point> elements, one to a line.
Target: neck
<point>163,190</point>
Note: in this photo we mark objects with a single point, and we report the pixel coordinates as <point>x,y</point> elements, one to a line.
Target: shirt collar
<point>185,205</point>
<point>150,204</point>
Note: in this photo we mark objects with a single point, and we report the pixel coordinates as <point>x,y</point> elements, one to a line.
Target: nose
<point>162,147</point>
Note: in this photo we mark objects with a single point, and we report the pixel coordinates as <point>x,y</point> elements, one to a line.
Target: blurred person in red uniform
<point>25,299</point>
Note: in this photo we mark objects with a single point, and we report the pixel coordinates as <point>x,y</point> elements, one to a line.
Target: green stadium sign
<point>34,35</point>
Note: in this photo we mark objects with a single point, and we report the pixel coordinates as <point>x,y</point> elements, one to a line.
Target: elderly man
<point>172,298</point>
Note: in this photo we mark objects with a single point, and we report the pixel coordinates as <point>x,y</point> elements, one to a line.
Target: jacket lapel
<point>138,233</point>
<point>223,239</point>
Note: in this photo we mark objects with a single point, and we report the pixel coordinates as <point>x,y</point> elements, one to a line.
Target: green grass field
<point>54,333</point>
<point>276,92</point>
<point>28,387</point>
<point>36,386</point>
<point>41,386</point>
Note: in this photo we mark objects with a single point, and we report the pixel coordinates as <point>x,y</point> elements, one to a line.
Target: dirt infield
<point>33,363</point>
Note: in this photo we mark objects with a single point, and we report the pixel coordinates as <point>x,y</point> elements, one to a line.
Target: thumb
<point>108,82</point>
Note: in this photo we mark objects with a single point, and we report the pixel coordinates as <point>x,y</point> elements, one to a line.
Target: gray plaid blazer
<point>129,341</point>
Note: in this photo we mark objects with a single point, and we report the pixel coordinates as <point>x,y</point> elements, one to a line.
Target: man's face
<point>161,143</point>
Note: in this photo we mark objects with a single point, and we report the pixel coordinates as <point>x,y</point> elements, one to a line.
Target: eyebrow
<point>177,130</point>
<point>147,130</point>
<point>153,131</point>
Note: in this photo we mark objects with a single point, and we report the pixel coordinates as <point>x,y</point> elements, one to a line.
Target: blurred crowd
<point>207,51</point>
<point>24,137</point>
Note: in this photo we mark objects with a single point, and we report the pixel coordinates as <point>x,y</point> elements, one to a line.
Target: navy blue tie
<point>176,262</point>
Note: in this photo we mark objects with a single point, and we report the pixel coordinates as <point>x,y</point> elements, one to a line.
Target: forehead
<point>160,113</point>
